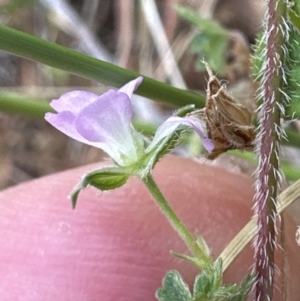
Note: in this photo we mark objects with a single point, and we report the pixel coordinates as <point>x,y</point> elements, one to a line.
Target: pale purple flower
<point>102,121</point>
<point>105,122</point>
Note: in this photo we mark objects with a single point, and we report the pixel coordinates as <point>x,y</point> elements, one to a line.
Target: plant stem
<point>268,151</point>
<point>54,55</point>
<point>26,106</point>
<point>173,219</point>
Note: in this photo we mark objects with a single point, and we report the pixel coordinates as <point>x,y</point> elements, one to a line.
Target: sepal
<point>103,179</point>
<point>156,151</point>
<point>198,262</point>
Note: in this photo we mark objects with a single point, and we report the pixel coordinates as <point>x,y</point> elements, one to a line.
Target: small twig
<point>159,36</point>
<point>69,21</point>
<point>239,242</point>
<point>124,11</point>
<point>90,10</point>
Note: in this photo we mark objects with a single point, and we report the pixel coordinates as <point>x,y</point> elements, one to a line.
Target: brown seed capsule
<point>228,123</point>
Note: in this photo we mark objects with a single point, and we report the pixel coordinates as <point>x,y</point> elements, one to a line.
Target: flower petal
<point>65,122</point>
<point>171,125</point>
<point>106,118</point>
<point>101,121</point>
<point>108,121</point>
<point>131,86</point>
<point>73,101</point>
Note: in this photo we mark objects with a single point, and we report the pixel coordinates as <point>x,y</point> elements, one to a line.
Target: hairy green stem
<point>268,150</point>
<point>173,219</point>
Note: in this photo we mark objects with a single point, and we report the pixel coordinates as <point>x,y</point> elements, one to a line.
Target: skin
<point>115,245</point>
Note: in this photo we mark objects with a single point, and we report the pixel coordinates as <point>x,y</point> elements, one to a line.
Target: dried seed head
<point>228,123</point>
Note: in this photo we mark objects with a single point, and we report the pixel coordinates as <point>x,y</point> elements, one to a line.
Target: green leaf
<point>211,42</point>
<point>202,287</point>
<point>208,26</point>
<point>212,50</point>
<point>209,286</point>
<point>102,179</point>
<point>31,47</point>
<point>174,288</point>
<point>209,281</point>
<point>290,85</point>
<point>234,292</point>
<point>218,274</point>
<point>258,57</point>
<point>293,76</point>
<point>245,288</point>
<point>295,19</point>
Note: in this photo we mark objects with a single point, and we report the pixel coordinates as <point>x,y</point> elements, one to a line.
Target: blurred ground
<point>118,31</point>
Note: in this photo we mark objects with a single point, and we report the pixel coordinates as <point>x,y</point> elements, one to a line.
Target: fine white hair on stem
<point>272,75</point>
